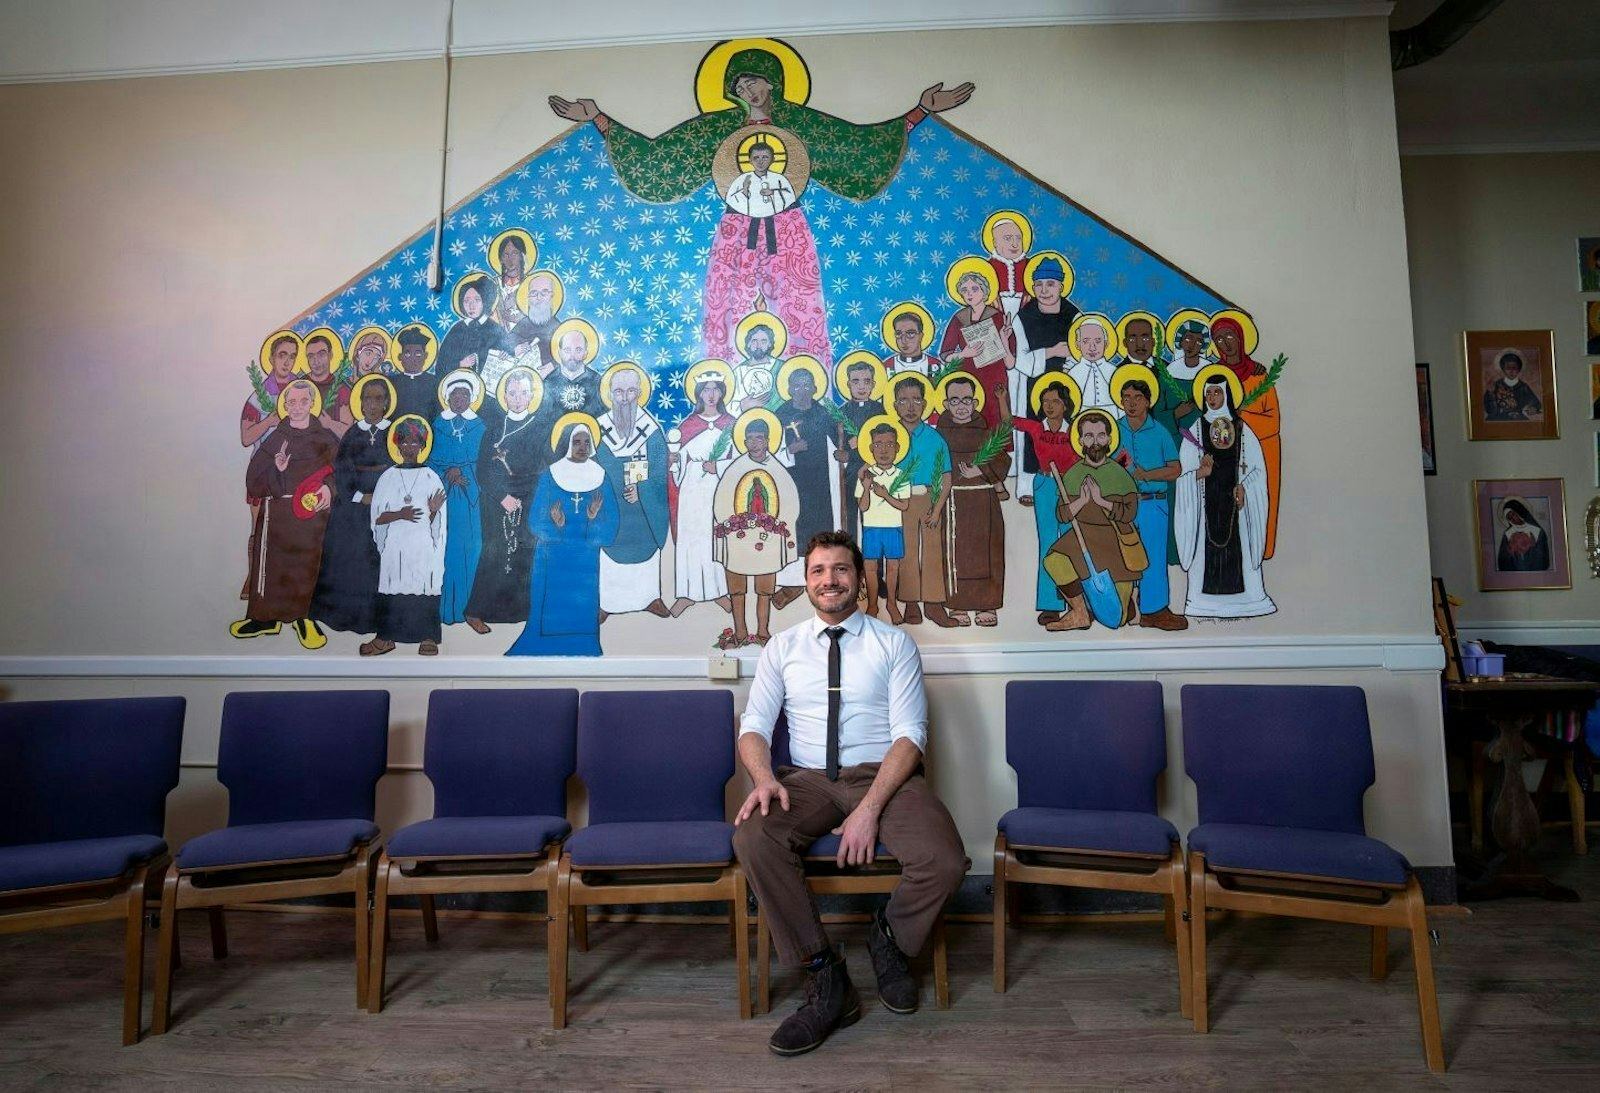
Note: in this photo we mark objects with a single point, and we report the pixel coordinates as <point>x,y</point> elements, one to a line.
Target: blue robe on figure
<point>456,440</point>
<point>564,587</point>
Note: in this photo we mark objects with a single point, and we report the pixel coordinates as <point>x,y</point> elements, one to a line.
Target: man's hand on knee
<point>858,837</point>
<point>762,797</point>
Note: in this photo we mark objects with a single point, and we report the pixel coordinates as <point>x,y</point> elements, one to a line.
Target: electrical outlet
<point>724,668</point>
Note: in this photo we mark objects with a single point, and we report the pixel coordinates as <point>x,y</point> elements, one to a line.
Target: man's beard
<point>1096,453</point>
<point>541,312</point>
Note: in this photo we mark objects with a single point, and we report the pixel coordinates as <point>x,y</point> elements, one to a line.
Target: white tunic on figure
<point>698,575</point>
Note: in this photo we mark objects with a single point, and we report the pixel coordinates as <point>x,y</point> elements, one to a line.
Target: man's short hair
<point>1138,385</point>
<point>323,338</point>
<point>910,381</point>
<point>884,427</point>
<point>858,366</point>
<point>962,379</point>
<point>273,352</point>
<point>1089,417</point>
<point>912,315</point>
<point>412,335</point>
<point>825,539</point>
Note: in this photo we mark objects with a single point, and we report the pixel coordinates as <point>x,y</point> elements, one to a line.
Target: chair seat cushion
<point>1333,854</point>
<point>1090,829</point>
<point>477,836</point>
<point>43,865</point>
<point>247,844</point>
<point>828,847</point>
<point>675,842</point>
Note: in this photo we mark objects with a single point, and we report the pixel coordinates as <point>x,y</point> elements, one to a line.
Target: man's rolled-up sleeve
<point>908,701</point>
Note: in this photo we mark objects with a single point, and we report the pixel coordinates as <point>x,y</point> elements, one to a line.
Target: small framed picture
<point>1589,263</point>
<point>1511,384</point>
<point>1521,534</point>
<point>1591,327</point>
<point>1425,415</point>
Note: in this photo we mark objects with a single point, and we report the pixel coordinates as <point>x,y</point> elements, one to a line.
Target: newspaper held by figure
<point>984,336</point>
<point>499,363</point>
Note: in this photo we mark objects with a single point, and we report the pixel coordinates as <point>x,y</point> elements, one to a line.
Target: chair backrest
<point>1280,756</point>
<point>1096,744</point>
<point>302,755</point>
<point>656,755</point>
<point>87,768</point>
<point>500,752</point>
<point>780,742</point>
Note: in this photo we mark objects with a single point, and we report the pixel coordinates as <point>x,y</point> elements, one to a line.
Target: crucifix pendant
<point>577,499</point>
<point>794,427</point>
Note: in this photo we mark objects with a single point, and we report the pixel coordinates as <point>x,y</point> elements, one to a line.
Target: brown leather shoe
<point>831,1003</point>
<point>1164,620</point>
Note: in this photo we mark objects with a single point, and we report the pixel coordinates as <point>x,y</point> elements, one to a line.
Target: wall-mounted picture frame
<point>1591,326</point>
<point>1430,463</point>
<point>1521,529</point>
<point>1589,263</point>
<point>1594,387</point>
<point>1511,384</point>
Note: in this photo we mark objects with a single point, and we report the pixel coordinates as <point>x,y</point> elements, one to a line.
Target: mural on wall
<point>663,363</point>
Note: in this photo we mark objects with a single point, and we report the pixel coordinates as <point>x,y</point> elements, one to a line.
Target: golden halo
<point>535,394</point>
<point>899,309</point>
<point>316,397</point>
<point>644,382</point>
<point>1181,316</point>
<point>264,358</point>
<point>574,417</point>
<point>780,333</point>
<point>711,78</point>
<point>1252,337</point>
<point>1076,439</point>
<point>1113,343</point>
<point>802,362</point>
<point>355,394</point>
<point>864,438</point>
<point>979,398</point>
<point>780,151</point>
<point>1068,278</point>
<point>841,373</point>
<point>590,336</point>
<point>427,444</point>
<point>1015,217</point>
<point>430,348</point>
<point>558,291</point>
<point>971,264</point>
<point>1158,330</point>
<point>460,286</point>
<point>1044,381</point>
<point>774,428</point>
<point>930,397</point>
<point>335,346</point>
<point>1198,390</point>
<point>710,368</point>
<point>450,379</point>
<point>498,241</point>
<point>790,158</point>
<point>1141,372</point>
<point>366,332</point>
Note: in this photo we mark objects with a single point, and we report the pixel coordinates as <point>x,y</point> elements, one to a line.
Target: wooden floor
<point>653,1006</point>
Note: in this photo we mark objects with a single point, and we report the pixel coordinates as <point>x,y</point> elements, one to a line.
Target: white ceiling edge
<point>44,41</point>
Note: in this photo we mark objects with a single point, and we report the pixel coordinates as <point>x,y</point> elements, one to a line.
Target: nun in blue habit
<point>457,436</point>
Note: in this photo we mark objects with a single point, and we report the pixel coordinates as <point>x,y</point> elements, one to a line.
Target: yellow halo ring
<point>264,358</point>
<point>780,333</point>
<point>451,378</point>
<point>1068,277</point>
<point>427,445</point>
<point>774,428</point>
<point>1252,337</point>
<point>1075,437</point>
<point>864,438</point>
<point>1037,390</point>
<point>644,382</point>
<point>780,151</point>
<point>366,331</point>
<point>1113,343</point>
<point>841,373</point>
<point>802,362</point>
<point>711,78</point>
<point>573,417</point>
<point>558,291</point>
<point>430,352</point>
<point>535,393</point>
<point>498,241</point>
<point>1158,330</point>
<point>460,286</point>
<point>1022,223</point>
<point>979,398</point>
<point>930,396</point>
<point>335,346</point>
<point>316,398</point>
<point>1130,371</point>
<point>1198,390</point>
<point>921,313</point>
<point>971,264</point>
<point>355,394</point>
<point>590,335</point>
<point>699,374</point>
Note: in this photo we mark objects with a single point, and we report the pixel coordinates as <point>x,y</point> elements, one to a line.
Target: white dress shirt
<point>882,698</point>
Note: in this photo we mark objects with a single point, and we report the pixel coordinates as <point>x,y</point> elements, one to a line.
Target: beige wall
<point>161,227</point>
<point>1493,246</point>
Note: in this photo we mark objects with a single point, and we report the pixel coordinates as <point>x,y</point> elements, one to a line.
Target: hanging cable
<point>436,275</point>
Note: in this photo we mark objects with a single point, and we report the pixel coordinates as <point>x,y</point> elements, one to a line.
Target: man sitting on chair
<point>851,688</point>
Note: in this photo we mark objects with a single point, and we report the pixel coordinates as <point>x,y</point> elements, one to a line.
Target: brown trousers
<point>922,570</point>
<point>915,827</point>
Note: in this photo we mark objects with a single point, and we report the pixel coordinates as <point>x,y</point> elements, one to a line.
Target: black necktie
<point>834,634</point>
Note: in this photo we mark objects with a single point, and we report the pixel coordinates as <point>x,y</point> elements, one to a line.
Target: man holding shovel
<point>1100,557</point>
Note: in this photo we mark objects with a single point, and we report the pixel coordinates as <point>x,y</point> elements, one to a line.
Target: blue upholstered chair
<point>1280,774</point>
<point>656,765</point>
<point>824,877</point>
<point>301,769</point>
<point>1087,755</point>
<point>83,793</point>
<point>499,761</point>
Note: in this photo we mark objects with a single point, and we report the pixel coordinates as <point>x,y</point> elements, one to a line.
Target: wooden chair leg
<point>561,889</point>
<point>430,919</point>
<point>1169,919</point>
<point>133,962</point>
<point>1422,957</point>
<point>999,914</point>
<point>580,928</point>
<point>763,962</point>
<point>161,1011</point>
<point>1180,908</point>
<point>741,940</point>
<point>362,885</point>
<point>1197,941</point>
<point>379,941</point>
<point>1380,952</point>
<point>219,932</point>
<point>941,966</point>
<point>1575,803</point>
